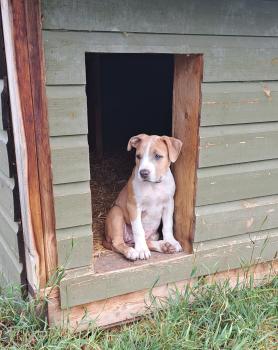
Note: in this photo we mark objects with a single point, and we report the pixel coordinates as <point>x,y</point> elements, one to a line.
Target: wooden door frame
<point>25,65</point>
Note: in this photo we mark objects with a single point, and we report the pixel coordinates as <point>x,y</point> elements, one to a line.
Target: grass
<point>202,317</point>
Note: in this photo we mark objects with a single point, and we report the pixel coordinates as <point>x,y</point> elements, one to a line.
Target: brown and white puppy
<point>146,199</point>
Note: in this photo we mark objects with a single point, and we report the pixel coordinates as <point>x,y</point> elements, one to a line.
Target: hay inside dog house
<point>78,79</point>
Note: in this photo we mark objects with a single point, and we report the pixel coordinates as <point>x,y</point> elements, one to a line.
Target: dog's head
<point>154,154</point>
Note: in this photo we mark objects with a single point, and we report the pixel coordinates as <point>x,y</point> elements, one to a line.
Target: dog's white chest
<point>152,198</point>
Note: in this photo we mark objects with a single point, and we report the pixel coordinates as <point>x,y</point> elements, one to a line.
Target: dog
<point>146,199</point>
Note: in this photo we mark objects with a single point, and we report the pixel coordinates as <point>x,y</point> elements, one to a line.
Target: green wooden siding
<point>233,182</point>
<point>226,58</point>
<point>230,144</point>
<point>4,159</point>
<point>67,110</point>
<point>239,119</point>
<point>10,265</point>
<point>239,103</point>
<point>210,257</point>
<point>214,17</point>
<point>236,218</point>
<point>70,159</point>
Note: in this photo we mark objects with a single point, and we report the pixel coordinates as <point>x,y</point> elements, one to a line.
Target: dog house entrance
<point>128,94</point>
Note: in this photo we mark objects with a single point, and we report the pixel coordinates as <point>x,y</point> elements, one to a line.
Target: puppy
<point>146,199</point>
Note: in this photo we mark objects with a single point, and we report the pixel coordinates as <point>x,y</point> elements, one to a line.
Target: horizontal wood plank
<point>226,58</point>
<point>235,218</point>
<point>235,182</point>
<point>124,308</point>
<point>72,241</point>
<point>72,205</point>
<point>9,231</point>
<point>70,159</point>
<point>10,266</point>
<point>67,110</point>
<point>238,103</point>
<point>209,258</point>
<point>220,145</point>
<point>217,17</point>
<point>7,187</point>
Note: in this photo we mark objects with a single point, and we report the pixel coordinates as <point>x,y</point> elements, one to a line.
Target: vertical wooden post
<point>188,72</point>
<point>23,46</point>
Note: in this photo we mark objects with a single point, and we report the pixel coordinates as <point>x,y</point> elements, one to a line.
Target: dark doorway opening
<point>127,94</point>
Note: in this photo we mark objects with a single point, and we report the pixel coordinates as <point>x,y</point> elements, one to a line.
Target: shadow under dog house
<point>78,78</point>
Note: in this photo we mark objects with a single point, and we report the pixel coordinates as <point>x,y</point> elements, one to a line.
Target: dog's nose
<point>144,173</point>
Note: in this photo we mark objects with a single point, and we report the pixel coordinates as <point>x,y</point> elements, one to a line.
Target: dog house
<point>77,79</point>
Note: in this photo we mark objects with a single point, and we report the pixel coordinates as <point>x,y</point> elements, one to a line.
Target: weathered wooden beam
<point>188,71</point>
<point>79,287</point>
<point>22,34</point>
<point>123,308</point>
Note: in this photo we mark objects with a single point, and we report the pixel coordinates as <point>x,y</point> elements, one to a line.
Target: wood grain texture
<point>229,144</point>
<point>72,204</point>
<point>70,159</point>
<point>238,103</point>
<point>22,34</point>
<point>216,17</point>
<point>15,35</point>
<point>41,131</point>
<point>188,72</point>
<point>227,58</point>
<point>71,241</point>
<point>211,257</point>
<point>235,218</point>
<point>124,308</point>
<point>67,112</point>
<point>238,181</point>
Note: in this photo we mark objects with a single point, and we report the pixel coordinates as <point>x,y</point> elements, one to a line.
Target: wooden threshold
<point>128,307</point>
<point>82,286</point>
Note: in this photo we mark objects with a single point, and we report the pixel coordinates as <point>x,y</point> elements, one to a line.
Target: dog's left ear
<point>134,141</point>
<point>174,147</point>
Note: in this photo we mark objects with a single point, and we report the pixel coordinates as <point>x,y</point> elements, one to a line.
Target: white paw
<point>175,244</point>
<point>132,254</point>
<point>143,251</point>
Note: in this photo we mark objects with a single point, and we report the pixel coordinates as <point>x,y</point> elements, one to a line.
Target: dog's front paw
<point>143,251</point>
<point>131,254</point>
<point>175,246</point>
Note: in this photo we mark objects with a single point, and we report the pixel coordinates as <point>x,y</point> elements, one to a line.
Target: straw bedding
<point>108,176</point>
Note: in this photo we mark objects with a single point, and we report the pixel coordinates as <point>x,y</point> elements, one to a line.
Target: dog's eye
<point>138,156</point>
<point>158,156</point>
